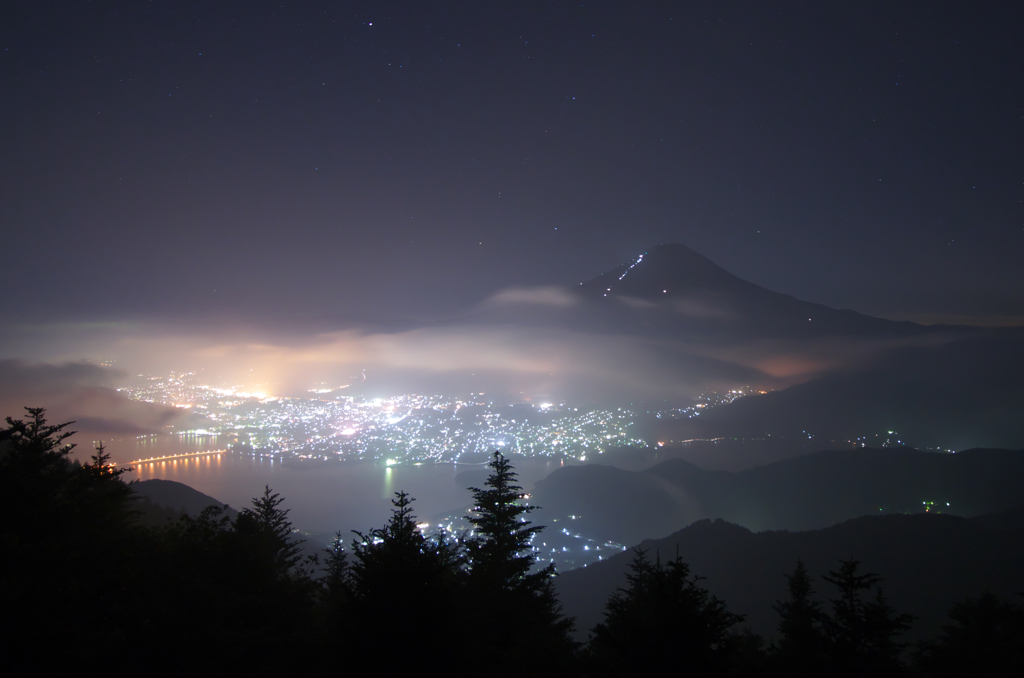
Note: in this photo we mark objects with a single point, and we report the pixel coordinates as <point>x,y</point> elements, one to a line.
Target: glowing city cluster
<point>558,544</point>
<point>705,402</point>
<point>400,429</point>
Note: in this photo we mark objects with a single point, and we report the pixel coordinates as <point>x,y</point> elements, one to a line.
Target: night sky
<point>354,162</point>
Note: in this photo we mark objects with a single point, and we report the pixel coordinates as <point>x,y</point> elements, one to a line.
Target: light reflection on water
<point>322,496</point>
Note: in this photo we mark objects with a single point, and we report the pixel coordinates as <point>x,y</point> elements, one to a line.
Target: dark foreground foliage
<point>986,638</point>
<point>88,585</point>
<point>664,620</point>
<point>859,638</point>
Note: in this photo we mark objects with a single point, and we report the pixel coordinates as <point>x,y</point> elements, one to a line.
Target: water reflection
<point>389,485</point>
<point>322,496</point>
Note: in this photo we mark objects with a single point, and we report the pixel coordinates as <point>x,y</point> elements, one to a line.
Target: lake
<point>325,496</point>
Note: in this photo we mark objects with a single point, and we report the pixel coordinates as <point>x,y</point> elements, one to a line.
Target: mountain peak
<point>674,287</point>
<point>664,271</point>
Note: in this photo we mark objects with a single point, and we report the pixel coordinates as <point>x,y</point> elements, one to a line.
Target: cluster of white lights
<point>638,260</point>
<point>409,428</point>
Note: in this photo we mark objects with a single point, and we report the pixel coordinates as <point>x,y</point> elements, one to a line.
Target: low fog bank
<point>85,394</point>
<point>535,362</point>
<point>950,388</point>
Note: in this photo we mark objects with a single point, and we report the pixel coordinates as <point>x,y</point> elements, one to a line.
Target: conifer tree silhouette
<point>67,542</point>
<point>863,633</point>
<point>244,579</point>
<point>515,607</point>
<point>986,638</point>
<point>336,584</point>
<point>406,585</point>
<point>501,551</point>
<point>663,622</point>
<point>803,645</point>
<point>270,532</point>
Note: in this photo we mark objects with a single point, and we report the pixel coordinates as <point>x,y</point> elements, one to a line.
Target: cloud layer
<point>83,393</point>
<point>523,342</point>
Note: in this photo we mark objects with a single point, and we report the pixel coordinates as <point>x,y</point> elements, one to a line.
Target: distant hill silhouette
<point>163,501</point>
<point>806,492</point>
<point>178,497</point>
<point>952,394</point>
<point>928,562</point>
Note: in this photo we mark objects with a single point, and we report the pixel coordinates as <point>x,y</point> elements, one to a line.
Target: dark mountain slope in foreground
<point>807,492</point>
<point>176,496</point>
<point>164,501</point>
<point>928,562</point>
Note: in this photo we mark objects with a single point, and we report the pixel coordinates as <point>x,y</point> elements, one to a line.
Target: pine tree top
<point>501,546</point>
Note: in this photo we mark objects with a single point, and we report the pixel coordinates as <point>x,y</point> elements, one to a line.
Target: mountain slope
<point>806,492</point>
<point>686,290</point>
<point>928,562</point>
<point>953,394</point>
<point>176,496</point>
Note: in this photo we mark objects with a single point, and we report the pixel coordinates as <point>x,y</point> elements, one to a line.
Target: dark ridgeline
<point>177,496</point>
<point>664,621</point>
<point>802,493</point>
<point>956,391</point>
<point>929,562</point>
<point>218,592</point>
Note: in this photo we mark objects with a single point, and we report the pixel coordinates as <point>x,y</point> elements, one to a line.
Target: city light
<point>410,428</point>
